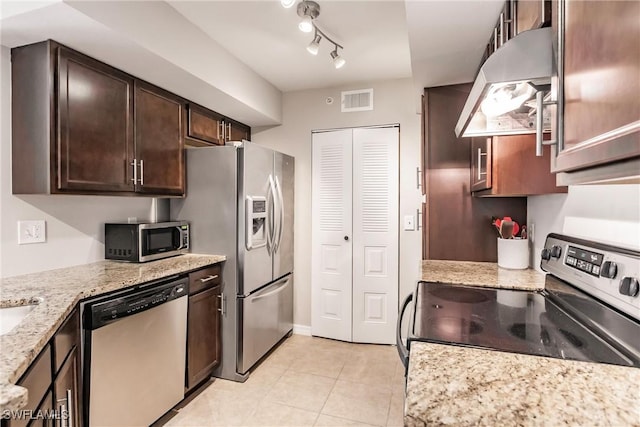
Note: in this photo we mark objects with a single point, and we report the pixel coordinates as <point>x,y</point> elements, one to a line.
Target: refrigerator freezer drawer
<point>267,316</point>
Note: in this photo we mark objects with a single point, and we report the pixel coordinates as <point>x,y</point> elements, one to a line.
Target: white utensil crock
<point>513,253</point>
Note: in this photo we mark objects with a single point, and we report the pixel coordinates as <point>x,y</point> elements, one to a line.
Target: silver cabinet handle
<point>63,408</point>
<point>502,39</point>
<point>418,214</point>
<point>539,123</point>
<point>228,134</point>
<point>418,176</point>
<point>220,135</point>
<point>141,172</point>
<point>135,171</point>
<point>208,278</point>
<point>223,306</point>
<point>495,39</point>
<point>71,409</point>
<point>480,154</point>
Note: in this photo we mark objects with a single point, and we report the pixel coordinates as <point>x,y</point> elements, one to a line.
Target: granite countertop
<point>450,385</point>
<point>481,274</point>
<point>58,292</point>
<point>453,385</point>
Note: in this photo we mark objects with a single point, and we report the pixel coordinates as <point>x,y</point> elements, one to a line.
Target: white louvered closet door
<point>331,282</point>
<point>355,234</point>
<point>375,234</point>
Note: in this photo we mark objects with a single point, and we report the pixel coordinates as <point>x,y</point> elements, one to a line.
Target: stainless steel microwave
<point>145,241</point>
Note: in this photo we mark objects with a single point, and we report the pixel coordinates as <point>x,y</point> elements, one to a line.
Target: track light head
<point>314,46</point>
<point>287,3</point>
<point>306,25</point>
<point>338,61</point>
<point>308,10</point>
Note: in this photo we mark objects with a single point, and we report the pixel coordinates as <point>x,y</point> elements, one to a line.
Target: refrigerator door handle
<point>280,286</point>
<point>281,214</point>
<point>270,218</point>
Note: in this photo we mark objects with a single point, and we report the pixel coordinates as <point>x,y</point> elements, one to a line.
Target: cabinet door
<point>46,407</point>
<point>531,14</point>
<point>37,381</point>
<point>481,168</point>
<point>95,130</point>
<point>204,127</point>
<point>203,336</point>
<point>598,83</point>
<point>236,131</point>
<point>66,390</point>
<point>159,124</point>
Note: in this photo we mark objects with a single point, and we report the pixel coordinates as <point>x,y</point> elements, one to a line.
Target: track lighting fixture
<point>314,46</point>
<point>338,61</point>
<point>306,25</point>
<point>309,10</point>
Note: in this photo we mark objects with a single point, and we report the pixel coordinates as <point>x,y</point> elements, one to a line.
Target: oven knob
<point>546,254</point>
<point>556,251</point>
<point>629,286</point>
<point>609,270</point>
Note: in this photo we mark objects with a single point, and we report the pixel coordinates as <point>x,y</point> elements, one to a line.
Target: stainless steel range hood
<point>500,100</point>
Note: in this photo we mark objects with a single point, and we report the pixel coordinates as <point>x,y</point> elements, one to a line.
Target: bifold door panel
<point>355,181</point>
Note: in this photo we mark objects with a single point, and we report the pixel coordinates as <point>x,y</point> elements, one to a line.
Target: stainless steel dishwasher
<point>134,347</point>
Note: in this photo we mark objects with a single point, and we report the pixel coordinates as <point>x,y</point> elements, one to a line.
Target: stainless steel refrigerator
<point>240,204</point>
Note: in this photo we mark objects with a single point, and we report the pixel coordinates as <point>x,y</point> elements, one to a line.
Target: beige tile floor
<point>307,381</point>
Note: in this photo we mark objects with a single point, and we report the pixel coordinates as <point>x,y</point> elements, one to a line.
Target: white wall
<point>307,110</point>
<point>75,233</point>
<point>608,213</point>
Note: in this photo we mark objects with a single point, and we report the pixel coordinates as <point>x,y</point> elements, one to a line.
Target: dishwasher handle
<point>403,351</point>
<point>110,309</point>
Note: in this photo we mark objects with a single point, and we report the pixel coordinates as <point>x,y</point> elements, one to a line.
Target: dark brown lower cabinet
<point>66,390</point>
<point>203,325</point>
<point>37,381</point>
<point>53,381</point>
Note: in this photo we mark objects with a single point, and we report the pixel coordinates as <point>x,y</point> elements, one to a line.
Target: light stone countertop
<point>481,274</point>
<point>451,385</point>
<point>59,291</point>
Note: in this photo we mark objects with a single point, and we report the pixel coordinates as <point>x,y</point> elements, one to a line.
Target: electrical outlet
<point>408,223</point>
<point>32,232</point>
<point>532,233</point>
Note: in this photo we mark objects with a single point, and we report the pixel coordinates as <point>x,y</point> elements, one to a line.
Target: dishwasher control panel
<point>110,309</point>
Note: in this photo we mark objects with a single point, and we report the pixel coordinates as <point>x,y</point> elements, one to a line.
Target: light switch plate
<point>409,224</point>
<point>32,232</point>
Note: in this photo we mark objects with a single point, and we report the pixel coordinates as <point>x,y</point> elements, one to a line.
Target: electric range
<point>588,311</point>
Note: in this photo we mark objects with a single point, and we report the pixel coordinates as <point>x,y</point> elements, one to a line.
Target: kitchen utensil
<point>523,232</point>
<point>516,229</point>
<point>506,229</point>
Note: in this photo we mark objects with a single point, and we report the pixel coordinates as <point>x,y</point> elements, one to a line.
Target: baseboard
<point>302,330</point>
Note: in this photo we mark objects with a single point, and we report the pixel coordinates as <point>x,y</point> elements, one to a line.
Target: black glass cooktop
<point>517,321</point>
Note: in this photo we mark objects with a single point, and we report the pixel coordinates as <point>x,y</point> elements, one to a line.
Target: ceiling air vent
<point>357,100</point>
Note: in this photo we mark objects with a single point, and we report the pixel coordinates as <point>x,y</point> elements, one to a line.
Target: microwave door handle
<point>180,237</point>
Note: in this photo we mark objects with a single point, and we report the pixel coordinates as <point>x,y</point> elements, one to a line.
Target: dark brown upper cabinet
<point>206,127</point>
<point>80,126</point>
<point>598,86</point>
<point>95,130</point>
<point>532,14</point>
<point>159,148</point>
<point>507,166</point>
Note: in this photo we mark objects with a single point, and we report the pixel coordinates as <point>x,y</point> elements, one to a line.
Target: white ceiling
<point>237,57</point>
<point>265,36</point>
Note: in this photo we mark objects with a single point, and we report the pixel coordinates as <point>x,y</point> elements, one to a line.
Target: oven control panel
<point>583,260</point>
<point>609,273</point>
